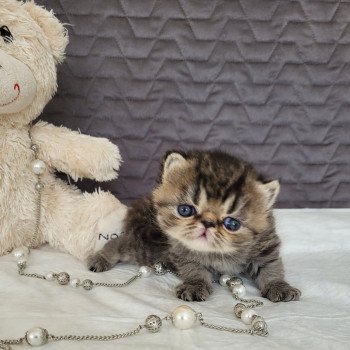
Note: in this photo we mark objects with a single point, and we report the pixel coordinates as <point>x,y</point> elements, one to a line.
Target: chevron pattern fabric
<point>267,80</point>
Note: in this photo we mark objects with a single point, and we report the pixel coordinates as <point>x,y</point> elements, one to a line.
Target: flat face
<point>211,203</point>
<point>17,85</point>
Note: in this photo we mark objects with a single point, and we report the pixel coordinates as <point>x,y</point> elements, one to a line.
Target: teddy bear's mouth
<point>16,87</point>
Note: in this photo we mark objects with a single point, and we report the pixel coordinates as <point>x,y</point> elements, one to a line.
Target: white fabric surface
<point>316,253</point>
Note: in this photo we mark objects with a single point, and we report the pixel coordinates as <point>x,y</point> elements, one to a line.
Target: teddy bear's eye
<point>6,34</point>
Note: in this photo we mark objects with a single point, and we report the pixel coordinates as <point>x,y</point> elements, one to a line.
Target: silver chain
<point>97,337</point>
<point>228,329</point>
<point>222,328</point>
<point>34,239</point>
<point>39,187</point>
<point>252,302</point>
<point>32,275</point>
<point>5,344</point>
<point>95,284</point>
<point>119,285</point>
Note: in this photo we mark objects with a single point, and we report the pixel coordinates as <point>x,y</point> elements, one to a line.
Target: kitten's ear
<point>270,190</point>
<point>171,161</point>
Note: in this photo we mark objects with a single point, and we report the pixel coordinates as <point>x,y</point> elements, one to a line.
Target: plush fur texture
<point>71,220</point>
<point>215,187</point>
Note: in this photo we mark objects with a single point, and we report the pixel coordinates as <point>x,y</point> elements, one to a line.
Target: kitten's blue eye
<point>231,224</point>
<point>186,210</point>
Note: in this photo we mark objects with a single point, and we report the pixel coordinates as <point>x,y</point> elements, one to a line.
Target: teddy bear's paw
<point>109,160</point>
<point>97,263</point>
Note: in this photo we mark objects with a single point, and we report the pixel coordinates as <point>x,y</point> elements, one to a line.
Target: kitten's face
<point>212,202</point>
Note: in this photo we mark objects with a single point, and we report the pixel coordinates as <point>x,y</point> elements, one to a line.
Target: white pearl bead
<point>183,317</point>
<point>38,167</point>
<point>50,276</point>
<point>223,279</point>
<point>74,282</point>
<point>239,290</point>
<point>39,186</point>
<point>146,271</point>
<point>247,315</point>
<point>21,253</point>
<point>37,336</point>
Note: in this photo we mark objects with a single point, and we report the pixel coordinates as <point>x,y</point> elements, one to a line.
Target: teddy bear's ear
<point>53,29</point>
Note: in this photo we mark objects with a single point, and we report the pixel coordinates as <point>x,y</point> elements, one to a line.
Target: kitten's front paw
<point>97,263</point>
<point>280,291</point>
<point>193,292</point>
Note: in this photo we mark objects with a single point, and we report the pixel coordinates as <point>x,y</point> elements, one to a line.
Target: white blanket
<point>316,254</point>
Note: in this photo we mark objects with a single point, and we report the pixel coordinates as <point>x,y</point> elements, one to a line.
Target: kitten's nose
<point>208,223</point>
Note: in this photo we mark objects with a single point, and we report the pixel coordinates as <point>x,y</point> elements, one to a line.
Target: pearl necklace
<point>183,317</point>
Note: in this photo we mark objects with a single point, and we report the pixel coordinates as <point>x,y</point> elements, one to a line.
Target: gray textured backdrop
<point>267,80</point>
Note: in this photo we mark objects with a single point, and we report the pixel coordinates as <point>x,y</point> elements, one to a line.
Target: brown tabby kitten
<point>210,214</point>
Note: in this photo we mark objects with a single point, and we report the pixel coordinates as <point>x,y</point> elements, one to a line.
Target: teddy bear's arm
<point>75,154</point>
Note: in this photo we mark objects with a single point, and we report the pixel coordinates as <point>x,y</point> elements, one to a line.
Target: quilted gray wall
<point>267,80</point>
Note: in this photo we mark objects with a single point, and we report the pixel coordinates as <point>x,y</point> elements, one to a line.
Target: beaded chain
<point>182,317</point>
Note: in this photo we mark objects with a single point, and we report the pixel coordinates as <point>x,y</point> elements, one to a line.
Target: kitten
<point>211,213</point>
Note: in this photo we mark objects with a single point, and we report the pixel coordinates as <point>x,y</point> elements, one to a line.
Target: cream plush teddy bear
<point>32,42</point>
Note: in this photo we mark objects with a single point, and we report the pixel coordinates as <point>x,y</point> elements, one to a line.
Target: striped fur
<point>217,185</point>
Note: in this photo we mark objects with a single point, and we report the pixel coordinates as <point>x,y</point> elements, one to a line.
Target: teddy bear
<point>32,43</point>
